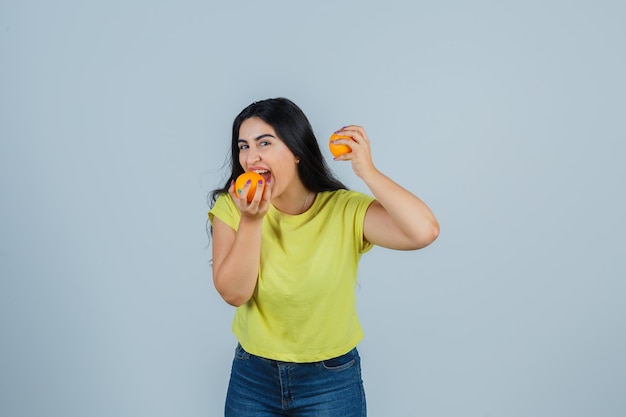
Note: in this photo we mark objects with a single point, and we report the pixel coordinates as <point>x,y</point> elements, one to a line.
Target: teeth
<point>261,171</point>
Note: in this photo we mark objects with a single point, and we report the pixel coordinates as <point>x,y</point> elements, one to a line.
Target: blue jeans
<point>262,387</point>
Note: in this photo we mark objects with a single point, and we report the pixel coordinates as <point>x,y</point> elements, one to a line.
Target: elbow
<point>234,298</point>
<point>234,290</point>
<point>425,238</point>
<point>235,301</point>
<point>435,232</point>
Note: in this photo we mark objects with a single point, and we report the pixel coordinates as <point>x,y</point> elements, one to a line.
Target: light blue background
<point>507,118</point>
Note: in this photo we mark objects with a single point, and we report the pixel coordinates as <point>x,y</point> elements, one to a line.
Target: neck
<point>306,201</point>
<point>296,204</point>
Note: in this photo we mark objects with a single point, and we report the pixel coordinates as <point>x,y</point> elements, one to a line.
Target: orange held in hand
<point>337,149</point>
<point>255,179</point>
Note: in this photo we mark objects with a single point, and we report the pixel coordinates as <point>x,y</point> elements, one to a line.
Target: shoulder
<point>346,201</point>
<point>226,210</point>
<point>343,197</point>
<point>222,201</point>
<point>346,211</point>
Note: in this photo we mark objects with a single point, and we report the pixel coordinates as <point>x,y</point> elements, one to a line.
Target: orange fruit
<point>337,150</point>
<point>255,179</point>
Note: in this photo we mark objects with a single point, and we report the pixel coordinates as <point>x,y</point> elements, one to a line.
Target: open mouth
<point>264,173</point>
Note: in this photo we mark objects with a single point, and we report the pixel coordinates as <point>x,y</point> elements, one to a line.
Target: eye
<point>264,143</point>
<point>243,146</point>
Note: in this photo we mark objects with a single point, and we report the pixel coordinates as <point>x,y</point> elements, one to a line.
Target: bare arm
<point>397,219</point>
<point>236,254</point>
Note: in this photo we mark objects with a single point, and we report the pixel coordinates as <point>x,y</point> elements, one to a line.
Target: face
<point>261,150</point>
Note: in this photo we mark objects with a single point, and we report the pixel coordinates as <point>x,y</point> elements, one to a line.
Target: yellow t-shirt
<point>304,305</point>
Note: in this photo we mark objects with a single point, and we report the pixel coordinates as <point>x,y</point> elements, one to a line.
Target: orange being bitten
<point>255,179</point>
<point>337,149</point>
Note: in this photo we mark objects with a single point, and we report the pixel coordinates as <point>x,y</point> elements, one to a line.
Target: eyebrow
<point>258,138</point>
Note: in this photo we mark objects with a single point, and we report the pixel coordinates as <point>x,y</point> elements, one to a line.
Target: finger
<point>267,192</point>
<point>357,133</point>
<point>231,190</point>
<point>241,195</point>
<point>344,157</point>
<point>260,186</point>
<point>352,127</point>
<point>349,141</point>
<point>265,198</point>
<point>356,143</point>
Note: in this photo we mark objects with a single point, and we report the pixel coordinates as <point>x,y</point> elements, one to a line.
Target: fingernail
<point>260,181</point>
<point>248,182</point>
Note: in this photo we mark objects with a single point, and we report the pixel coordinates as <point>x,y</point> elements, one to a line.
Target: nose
<point>252,156</point>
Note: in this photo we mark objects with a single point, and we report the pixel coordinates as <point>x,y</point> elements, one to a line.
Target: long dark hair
<point>294,129</point>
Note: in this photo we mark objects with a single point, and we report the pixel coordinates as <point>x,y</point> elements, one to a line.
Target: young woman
<point>288,261</point>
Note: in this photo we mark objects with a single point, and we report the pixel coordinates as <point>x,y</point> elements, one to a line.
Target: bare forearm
<point>237,275</point>
<point>399,219</point>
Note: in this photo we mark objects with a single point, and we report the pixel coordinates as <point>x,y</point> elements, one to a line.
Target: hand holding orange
<point>254,178</point>
<point>338,149</point>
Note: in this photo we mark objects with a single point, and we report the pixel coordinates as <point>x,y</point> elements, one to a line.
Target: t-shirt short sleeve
<point>225,210</point>
<point>359,204</point>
